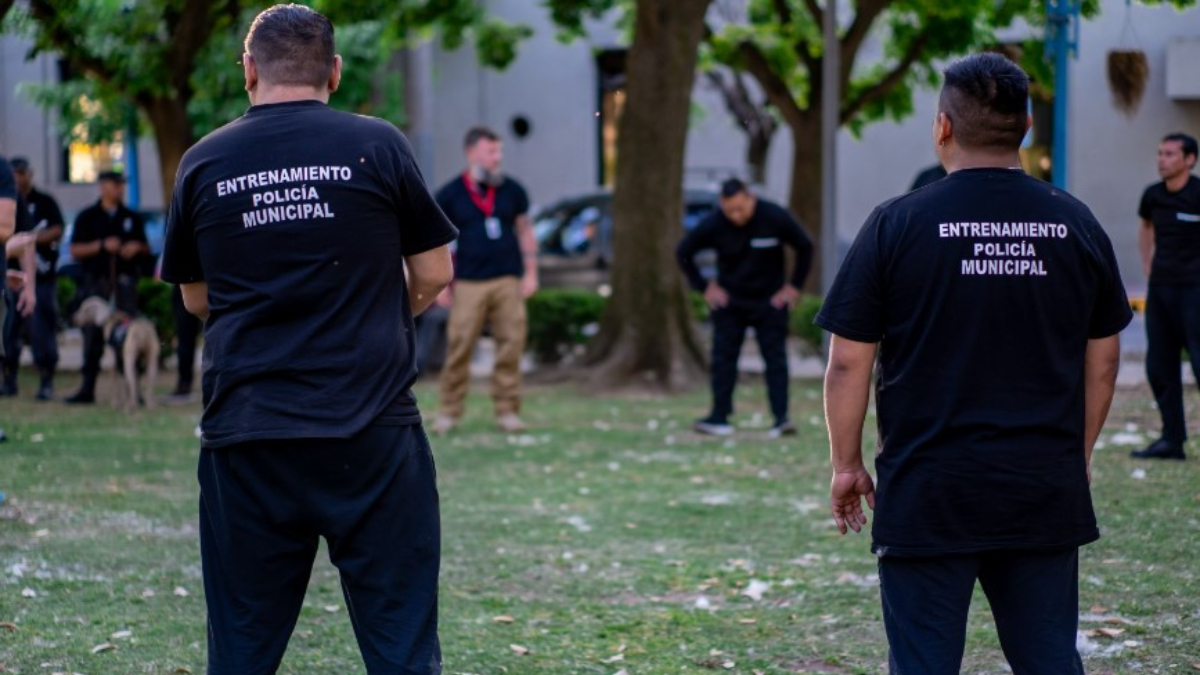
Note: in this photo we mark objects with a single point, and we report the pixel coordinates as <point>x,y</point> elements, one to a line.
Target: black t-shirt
<point>750,261</point>
<point>1176,219</point>
<point>96,224</point>
<point>485,252</point>
<point>43,212</point>
<point>298,217</point>
<point>983,290</point>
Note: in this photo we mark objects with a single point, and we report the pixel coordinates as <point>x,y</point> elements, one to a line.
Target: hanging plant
<point>1128,73</point>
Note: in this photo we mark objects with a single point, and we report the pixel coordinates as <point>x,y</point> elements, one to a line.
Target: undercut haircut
<point>1188,143</point>
<point>476,134</point>
<point>292,45</point>
<point>986,97</point>
<point>732,187</point>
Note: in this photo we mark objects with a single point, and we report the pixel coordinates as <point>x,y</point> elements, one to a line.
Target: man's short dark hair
<point>19,163</point>
<point>1188,142</point>
<point>111,177</point>
<point>732,187</point>
<point>986,97</point>
<point>292,45</point>
<point>476,134</point>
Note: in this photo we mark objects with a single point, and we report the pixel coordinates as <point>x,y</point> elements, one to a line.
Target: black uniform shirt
<point>750,261</point>
<point>43,211</point>
<point>983,290</point>
<point>1176,219</point>
<point>481,255</point>
<point>298,217</point>
<point>96,224</point>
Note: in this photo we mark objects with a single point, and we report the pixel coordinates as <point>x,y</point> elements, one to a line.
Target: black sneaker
<point>710,427</point>
<point>1160,449</point>
<point>45,392</point>
<point>784,428</point>
<point>80,397</point>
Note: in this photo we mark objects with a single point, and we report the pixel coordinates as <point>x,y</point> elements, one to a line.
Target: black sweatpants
<point>42,327</point>
<point>263,506</point>
<point>1172,325</point>
<point>1034,597</point>
<point>770,326</point>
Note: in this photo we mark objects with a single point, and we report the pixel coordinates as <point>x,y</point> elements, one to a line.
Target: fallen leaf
<point>182,671</point>
<point>503,618</point>
<point>1196,666</point>
<point>28,593</point>
<point>613,659</point>
<point>37,438</point>
<point>728,665</point>
<point>332,609</point>
<point>715,652</point>
<point>106,647</point>
<point>747,622</point>
<point>1115,619</point>
<point>702,603</point>
<point>41,533</point>
<point>121,635</point>
<point>1110,632</point>
<point>148,593</point>
<point>1132,643</point>
<point>621,672</point>
<point>8,626</point>
<point>756,589</point>
<point>181,591</point>
<point>1097,609</point>
<point>519,650</point>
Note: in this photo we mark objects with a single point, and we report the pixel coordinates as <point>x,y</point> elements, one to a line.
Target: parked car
<point>575,238</point>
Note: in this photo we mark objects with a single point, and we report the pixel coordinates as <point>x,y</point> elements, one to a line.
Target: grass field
<point>609,538</point>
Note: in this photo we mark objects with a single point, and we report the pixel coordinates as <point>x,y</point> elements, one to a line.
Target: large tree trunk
<point>646,335</point>
<point>172,133</point>
<point>804,197</point>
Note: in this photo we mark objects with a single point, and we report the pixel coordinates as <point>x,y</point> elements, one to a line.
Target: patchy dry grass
<point>609,538</point>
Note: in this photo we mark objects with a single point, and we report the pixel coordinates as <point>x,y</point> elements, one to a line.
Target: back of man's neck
<point>270,95</point>
<point>1007,160</point>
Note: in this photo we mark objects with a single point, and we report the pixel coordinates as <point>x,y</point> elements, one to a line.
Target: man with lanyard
<point>994,302</point>
<point>750,291</point>
<point>108,241</point>
<point>495,271</point>
<point>46,223</point>
<point>290,231</point>
<point>1169,241</point>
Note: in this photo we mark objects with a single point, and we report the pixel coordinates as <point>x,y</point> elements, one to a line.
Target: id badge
<point>492,226</point>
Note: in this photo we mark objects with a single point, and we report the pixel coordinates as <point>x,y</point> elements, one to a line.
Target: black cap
<point>19,163</point>
<point>113,176</point>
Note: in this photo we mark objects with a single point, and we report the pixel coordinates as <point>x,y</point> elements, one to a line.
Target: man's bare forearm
<point>847,393</point>
<point>1101,363</point>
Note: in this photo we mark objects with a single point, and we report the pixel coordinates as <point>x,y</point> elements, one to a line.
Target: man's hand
<point>785,297</point>
<point>846,491</point>
<point>445,299</point>
<point>529,285</point>
<point>131,249</point>
<point>715,296</point>
<point>111,244</point>
<point>27,301</point>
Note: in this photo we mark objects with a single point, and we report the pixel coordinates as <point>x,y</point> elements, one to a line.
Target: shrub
<point>560,319</point>
<point>65,293</point>
<point>154,302</point>
<point>802,325</point>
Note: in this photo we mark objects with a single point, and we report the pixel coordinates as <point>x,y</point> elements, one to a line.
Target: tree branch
<point>65,41</point>
<point>773,86</point>
<point>864,19</point>
<point>813,8</point>
<point>889,81</point>
<point>5,5</point>
<point>189,30</point>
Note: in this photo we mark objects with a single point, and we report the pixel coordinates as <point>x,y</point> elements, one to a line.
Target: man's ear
<point>944,129</point>
<point>250,68</point>
<point>335,76</point>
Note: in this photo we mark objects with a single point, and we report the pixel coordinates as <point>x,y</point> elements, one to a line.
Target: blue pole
<point>1062,17</point>
<point>133,194</point>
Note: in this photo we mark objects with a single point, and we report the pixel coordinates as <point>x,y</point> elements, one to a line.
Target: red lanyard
<point>486,203</point>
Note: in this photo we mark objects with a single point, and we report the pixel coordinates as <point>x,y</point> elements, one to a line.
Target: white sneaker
<point>509,423</point>
<point>444,424</point>
<point>710,428</point>
<point>782,429</point>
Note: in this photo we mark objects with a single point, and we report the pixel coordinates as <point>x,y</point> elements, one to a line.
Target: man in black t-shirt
<point>1169,241</point>
<point>994,303</point>
<point>109,241</point>
<point>45,221</point>
<point>290,232</point>
<point>495,271</point>
<point>750,291</point>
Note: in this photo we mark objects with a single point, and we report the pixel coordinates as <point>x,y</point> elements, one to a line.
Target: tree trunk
<point>173,135</point>
<point>804,198</point>
<point>646,335</point>
<point>758,147</point>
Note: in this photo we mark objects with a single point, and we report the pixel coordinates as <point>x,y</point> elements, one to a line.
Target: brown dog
<point>140,342</point>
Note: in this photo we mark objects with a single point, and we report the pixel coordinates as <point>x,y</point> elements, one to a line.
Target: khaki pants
<point>498,303</point>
